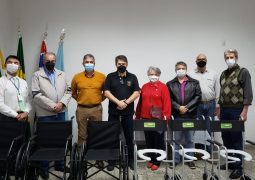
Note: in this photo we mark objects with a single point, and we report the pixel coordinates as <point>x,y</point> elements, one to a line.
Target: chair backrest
<point>187,125</point>
<point>150,125</point>
<point>53,134</point>
<point>227,126</point>
<point>10,128</point>
<point>103,135</point>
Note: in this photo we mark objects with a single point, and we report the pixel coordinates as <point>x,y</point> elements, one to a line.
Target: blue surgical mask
<point>89,67</point>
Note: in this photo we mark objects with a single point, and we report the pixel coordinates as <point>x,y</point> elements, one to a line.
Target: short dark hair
<point>121,57</point>
<point>180,63</point>
<point>89,56</point>
<point>11,57</point>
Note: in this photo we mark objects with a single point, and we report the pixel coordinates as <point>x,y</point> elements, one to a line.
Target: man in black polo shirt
<point>122,88</point>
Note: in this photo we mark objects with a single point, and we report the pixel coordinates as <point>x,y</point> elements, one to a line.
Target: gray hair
<point>231,50</point>
<point>49,53</point>
<point>180,63</point>
<point>155,69</point>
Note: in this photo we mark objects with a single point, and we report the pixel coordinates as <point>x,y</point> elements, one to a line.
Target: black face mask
<point>50,66</point>
<point>121,69</point>
<point>201,64</point>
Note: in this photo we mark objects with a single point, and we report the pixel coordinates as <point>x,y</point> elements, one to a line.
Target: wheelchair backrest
<point>103,134</point>
<point>53,134</point>
<point>227,126</point>
<point>10,129</point>
<point>149,125</point>
<point>187,125</point>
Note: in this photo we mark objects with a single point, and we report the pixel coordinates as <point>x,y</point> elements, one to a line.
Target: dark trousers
<point>127,125</point>
<point>58,117</point>
<point>154,140</point>
<point>232,140</point>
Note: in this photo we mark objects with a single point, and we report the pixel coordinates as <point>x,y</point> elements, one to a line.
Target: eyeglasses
<point>202,59</point>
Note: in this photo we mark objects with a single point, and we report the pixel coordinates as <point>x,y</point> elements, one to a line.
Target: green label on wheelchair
<point>226,126</point>
<point>149,125</point>
<point>188,125</point>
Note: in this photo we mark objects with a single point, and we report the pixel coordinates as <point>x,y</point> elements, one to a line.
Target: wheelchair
<point>13,135</point>
<point>105,142</point>
<point>150,125</point>
<point>52,141</point>
<point>188,125</point>
<point>230,126</point>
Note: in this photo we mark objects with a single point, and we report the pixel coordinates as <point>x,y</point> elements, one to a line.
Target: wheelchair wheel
<point>20,163</point>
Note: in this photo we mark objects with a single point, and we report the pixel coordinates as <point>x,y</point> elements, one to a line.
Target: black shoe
<point>191,165</point>
<point>236,174</point>
<point>100,164</point>
<point>44,174</point>
<point>223,167</point>
<point>59,169</point>
<point>171,165</point>
<point>110,167</point>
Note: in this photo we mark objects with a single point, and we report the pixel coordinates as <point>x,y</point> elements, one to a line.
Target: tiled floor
<point>146,174</point>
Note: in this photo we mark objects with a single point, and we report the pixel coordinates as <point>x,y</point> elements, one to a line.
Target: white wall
<point>4,24</point>
<point>148,32</point>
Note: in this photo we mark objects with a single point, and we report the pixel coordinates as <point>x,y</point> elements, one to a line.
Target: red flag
<point>43,50</point>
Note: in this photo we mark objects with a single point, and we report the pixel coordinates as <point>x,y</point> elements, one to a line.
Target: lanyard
<point>13,82</point>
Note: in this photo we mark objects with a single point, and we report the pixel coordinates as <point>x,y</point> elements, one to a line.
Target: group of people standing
<point>187,96</point>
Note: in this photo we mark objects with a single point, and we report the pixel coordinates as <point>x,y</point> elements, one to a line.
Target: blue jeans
<point>187,136</point>
<point>207,110</point>
<point>58,117</point>
<point>232,140</point>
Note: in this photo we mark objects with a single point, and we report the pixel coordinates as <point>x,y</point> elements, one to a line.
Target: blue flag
<point>60,57</point>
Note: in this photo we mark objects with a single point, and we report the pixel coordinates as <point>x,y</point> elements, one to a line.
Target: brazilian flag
<point>20,54</point>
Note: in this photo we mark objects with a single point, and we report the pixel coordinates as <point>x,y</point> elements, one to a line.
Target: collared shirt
<point>121,88</point>
<point>183,84</point>
<point>209,84</point>
<point>51,76</point>
<point>9,92</point>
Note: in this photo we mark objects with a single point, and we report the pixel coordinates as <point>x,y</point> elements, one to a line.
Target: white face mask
<point>181,73</point>
<point>12,68</point>
<point>153,78</point>
<point>230,62</point>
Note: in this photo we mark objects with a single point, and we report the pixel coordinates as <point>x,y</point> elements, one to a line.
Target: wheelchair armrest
<point>250,142</point>
<point>214,142</point>
<point>174,142</point>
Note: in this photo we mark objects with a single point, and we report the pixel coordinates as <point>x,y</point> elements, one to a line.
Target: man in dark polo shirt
<point>122,88</point>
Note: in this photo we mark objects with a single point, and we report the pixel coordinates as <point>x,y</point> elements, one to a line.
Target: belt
<point>206,102</point>
<point>88,105</point>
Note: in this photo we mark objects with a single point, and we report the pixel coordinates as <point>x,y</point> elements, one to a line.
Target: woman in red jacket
<point>154,103</point>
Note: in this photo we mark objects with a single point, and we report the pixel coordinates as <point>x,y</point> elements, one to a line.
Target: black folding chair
<point>12,138</point>
<point>104,143</point>
<point>52,142</point>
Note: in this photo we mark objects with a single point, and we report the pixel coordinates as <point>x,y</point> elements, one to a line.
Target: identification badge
<point>20,97</point>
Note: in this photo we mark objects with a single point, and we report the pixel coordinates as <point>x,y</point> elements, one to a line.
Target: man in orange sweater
<point>87,90</point>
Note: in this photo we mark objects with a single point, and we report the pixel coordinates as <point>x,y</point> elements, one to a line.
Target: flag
<point>1,61</point>
<point>42,52</point>
<point>60,56</point>
<point>20,54</point>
